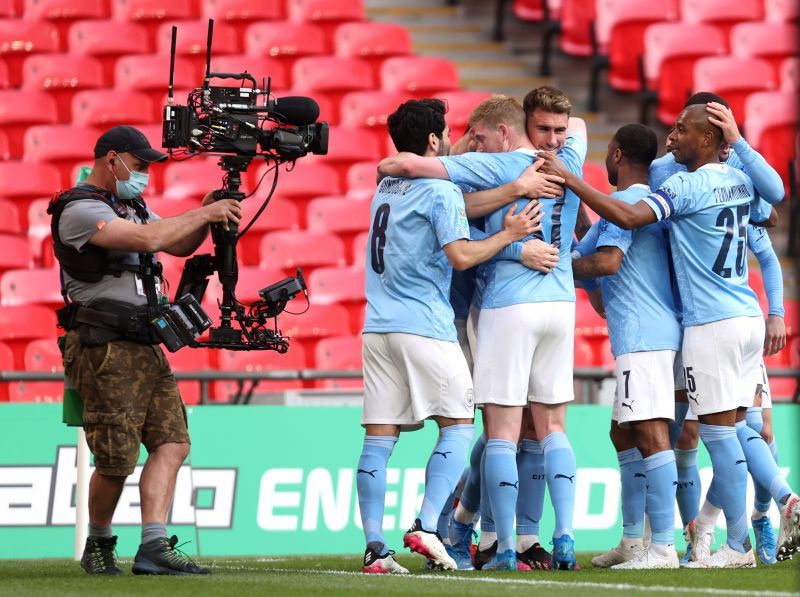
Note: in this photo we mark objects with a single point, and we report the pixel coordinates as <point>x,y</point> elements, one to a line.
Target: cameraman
<point>105,239</point>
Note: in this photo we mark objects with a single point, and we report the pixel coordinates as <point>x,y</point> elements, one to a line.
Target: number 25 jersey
<point>407,272</point>
<point>709,211</point>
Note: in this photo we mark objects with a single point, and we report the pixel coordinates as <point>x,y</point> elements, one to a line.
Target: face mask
<point>134,186</point>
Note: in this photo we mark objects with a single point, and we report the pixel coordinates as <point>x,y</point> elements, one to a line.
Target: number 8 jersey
<point>407,272</point>
<point>709,211</point>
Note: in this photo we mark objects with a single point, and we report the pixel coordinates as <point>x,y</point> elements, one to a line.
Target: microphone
<point>295,110</point>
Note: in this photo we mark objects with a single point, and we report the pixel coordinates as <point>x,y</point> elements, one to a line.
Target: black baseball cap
<point>126,139</point>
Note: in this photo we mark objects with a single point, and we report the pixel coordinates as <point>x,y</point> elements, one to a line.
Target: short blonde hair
<point>499,109</point>
<point>547,99</point>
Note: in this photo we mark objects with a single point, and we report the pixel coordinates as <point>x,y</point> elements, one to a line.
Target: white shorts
<point>766,395</point>
<point>721,363</point>
<point>525,353</point>
<point>463,341</point>
<point>410,378</point>
<point>645,387</point>
<point>678,374</point>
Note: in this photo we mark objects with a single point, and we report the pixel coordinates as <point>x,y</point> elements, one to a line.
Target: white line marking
<point>531,582</point>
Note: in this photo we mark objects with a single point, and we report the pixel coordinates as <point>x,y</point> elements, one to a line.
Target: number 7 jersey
<point>709,211</point>
<point>407,272</point>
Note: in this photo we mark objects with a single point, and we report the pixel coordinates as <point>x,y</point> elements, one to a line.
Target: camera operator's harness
<point>91,265</point>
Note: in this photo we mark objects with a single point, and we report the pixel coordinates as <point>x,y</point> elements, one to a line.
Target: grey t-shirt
<point>79,222</point>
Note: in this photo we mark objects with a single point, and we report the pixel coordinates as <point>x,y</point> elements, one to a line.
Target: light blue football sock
<point>471,495</point>
<point>688,489</point>
<point>487,518</point>
<point>502,483</point>
<point>662,481</point>
<point>371,485</point>
<point>532,484</point>
<point>634,491</point>
<point>444,470</point>
<point>559,464</point>
<point>676,426</point>
<point>754,419</point>
<point>730,472</point>
<point>773,447</point>
<point>762,467</point>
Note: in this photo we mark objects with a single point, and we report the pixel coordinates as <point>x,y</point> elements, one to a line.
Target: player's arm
<point>531,183</point>
<point>122,235</point>
<point>582,224</point>
<point>770,222</point>
<point>766,180</point>
<point>604,262</point>
<point>411,165</point>
<point>464,254</point>
<point>622,214</point>
<point>775,337</point>
<point>189,244</point>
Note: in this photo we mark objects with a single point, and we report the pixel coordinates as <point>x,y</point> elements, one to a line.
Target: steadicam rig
<point>239,124</point>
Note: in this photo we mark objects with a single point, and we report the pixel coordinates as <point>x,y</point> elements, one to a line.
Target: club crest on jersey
<point>469,397</point>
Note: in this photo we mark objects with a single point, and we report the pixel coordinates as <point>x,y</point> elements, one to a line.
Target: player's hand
<point>522,224</point>
<point>534,184</point>
<point>553,165</point>
<point>465,144</point>
<point>539,255</point>
<point>723,118</point>
<point>224,211</point>
<point>775,338</point>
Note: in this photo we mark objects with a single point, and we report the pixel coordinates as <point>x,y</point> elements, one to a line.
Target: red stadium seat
<point>336,285</point>
<point>191,42</point>
<point>772,41</point>
<point>460,105</point>
<point>576,27</point>
<point>790,75</point>
<point>189,359</point>
<point>771,122</point>
<point>40,355</point>
<point>9,217</point>
<point>150,75</point>
<point>285,41</point>
<point>20,324</point>
<point>290,250</point>
<point>327,14</point>
<point>90,38</point>
<point>619,31</point>
<point>605,358</point>
<point>193,178</point>
<point>370,110</point>
<point>31,287</point>
<point>20,109</point>
<point>792,317</point>
<point>343,216</point>
<point>21,38</point>
<point>4,80</point>
<point>258,360</point>
<point>280,214</point>
<point>584,353</point>
<point>167,208</point>
<point>587,322</point>
<point>332,77</point>
<point>252,279</point>
<point>40,147</point>
<point>360,243</point>
<point>721,13</point>
<point>5,152</point>
<point>259,67</point>
<point>152,13</point>
<point>320,321</point>
<point>734,79</point>
<point>308,179</point>
<point>6,364</point>
<point>534,10</point>
<point>595,174</point>
<point>40,241</point>
<point>15,253</point>
<point>794,353</point>
<point>361,180</point>
<point>782,11</point>
<point>10,9</point>
<point>373,42</point>
<point>241,13</point>
<point>110,107</point>
<point>24,181</point>
<point>347,146</point>
<point>420,76</point>
<point>63,13</point>
<point>671,49</point>
<point>62,76</point>
<point>340,352</point>
<point>327,110</point>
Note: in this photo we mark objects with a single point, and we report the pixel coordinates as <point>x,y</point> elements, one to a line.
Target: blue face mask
<point>134,186</point>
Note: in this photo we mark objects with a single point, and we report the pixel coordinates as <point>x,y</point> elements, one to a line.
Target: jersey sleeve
<point>766,181</point>
<point>760,210</point>
<point>672,197</point>
<point>588,244</point>
<point>475,171</point>
<point>612,235</point>
<point>573,154</point>
<point>81,220</point>
<point>761,246</point>
<point>757,239</point>
<point>449,216</point>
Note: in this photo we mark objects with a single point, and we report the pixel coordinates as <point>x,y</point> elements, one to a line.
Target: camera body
<point>181,322</point>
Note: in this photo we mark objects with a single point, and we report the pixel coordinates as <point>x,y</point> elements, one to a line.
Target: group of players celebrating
<point>666,265</point>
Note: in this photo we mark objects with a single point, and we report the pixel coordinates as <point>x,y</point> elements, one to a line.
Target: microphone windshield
<point>296,110</point>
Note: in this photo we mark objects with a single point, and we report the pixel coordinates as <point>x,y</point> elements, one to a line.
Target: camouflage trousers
<point>130,397</point>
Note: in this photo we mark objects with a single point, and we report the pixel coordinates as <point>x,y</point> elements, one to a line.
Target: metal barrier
<point>590,378</point>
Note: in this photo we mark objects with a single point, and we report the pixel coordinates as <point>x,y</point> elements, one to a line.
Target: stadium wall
<point>277,480</point>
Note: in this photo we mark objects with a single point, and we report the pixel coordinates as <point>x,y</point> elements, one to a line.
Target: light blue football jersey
<point>640,305</point>
<point>407,272</point>
<point>503,282</point>
<point>709,210</point>
<point>757,239</point>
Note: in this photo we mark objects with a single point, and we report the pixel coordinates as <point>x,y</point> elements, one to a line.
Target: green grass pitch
<point>339,575</point>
